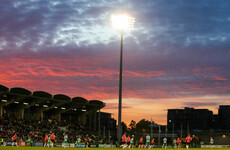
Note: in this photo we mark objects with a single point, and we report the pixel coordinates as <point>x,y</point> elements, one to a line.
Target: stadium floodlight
<point>63,108</point>
<point>121,22</point>
<point>36,104</point>
<point>4,100</point>
<point>16,102</point>
<point>45,105</point>
<point>25,103</point>
<point>55,107</point>
<point>83,110</point>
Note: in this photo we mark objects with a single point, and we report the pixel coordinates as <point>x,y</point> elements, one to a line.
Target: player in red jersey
<point>188,141</point>
<point>53,139</point>
<point>14,140</point>
<point>124,139</point>
<point>178,143</point>
<point>141,142</point>
<point>152,143</point>
<point>86,142</point>
<point>46,141</point>
<point>128,141</point>
<point>123,143</point>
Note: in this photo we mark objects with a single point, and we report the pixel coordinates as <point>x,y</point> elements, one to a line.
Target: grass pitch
<point>59,148</point>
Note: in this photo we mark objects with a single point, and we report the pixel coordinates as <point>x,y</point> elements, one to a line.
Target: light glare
<point>122,22</point>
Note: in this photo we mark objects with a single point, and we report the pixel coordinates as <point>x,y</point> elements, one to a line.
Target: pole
<point>120,89</point>
<point>104,132</point>
<point>173,130</point>
<point>188,128</point>
<point>166,131</point>
<point>90,121</point>
<point>109,137</point>
<point>181,128</point>
<point>151,128</point>
<point>159,135</point>
<point>95,121</point>
<point>99,123</point>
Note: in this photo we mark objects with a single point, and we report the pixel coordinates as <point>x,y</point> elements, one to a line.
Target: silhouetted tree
<point>132,125</point>
<point>124,127</point>
<point>143,126</point>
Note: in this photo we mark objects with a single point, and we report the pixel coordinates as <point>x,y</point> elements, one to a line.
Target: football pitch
<point>45,148</point>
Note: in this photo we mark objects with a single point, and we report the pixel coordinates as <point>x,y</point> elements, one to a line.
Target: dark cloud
<point>200,104</point>
<point>115,106</point>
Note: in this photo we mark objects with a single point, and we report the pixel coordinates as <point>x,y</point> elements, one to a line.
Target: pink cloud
<point>147,74</point>
<point>219,78</point>
<point>92,79</point>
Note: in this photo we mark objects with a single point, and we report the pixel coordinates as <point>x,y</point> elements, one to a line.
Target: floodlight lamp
<point>122,22</point>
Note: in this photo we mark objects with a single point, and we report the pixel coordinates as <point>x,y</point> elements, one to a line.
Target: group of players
<point>14,141</point>
<point>129,142</point>
<point>49,141</point>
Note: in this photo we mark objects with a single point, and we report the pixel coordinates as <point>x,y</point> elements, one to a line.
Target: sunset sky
<point>177,55</point>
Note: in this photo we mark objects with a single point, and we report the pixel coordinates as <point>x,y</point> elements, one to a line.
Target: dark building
<point>216,123</point>
<point>224,116</point>
<point>103,123</point>
<point>190,119</point>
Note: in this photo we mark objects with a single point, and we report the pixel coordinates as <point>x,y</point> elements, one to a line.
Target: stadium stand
<point>34,114</point>
<point>40,103</point>
<point>36,129</point>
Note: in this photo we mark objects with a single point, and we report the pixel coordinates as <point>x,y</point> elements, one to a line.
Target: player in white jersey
<point>65,140</point>
<point>49,141</point>
<point>147,141</point>
<point>211,141</point>
<point>164,143</point>
<point>131,142</point>
<point>79,140</point>
<point>174,143</point>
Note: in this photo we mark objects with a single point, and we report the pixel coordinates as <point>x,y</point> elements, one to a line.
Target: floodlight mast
<point>122,23</point>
